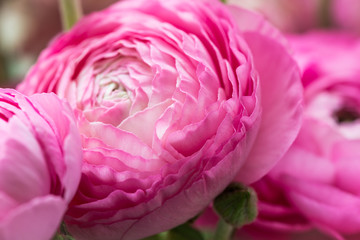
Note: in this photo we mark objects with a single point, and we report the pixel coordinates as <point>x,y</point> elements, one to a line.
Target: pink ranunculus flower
<point>345,14</point>
<point>173,99</point>
<point>40,164</point>
<point>317,183</point>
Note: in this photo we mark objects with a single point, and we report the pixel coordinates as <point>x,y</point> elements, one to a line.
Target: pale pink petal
<point>305,165</point>
<point>110,136</point>
<point>135,123</point>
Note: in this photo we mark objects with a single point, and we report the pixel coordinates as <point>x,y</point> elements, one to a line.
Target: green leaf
<point>324,14</point>
<point>184,232</point>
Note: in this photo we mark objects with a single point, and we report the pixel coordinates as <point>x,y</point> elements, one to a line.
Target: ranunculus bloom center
<point>338,110</point>
<point>346,114</point>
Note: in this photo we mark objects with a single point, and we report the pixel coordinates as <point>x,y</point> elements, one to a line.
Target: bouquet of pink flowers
<point>177,120</point>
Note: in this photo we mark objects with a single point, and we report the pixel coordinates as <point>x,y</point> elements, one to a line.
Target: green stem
<point>71,12</point>
<point>324,14</point>
<point>224,231</point>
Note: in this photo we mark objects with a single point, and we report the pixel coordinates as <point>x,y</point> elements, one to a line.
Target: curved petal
<point>22,165</point>
<point>38,219</point>
<point>281,101</point>
<point>60,117</point>
<point>319,201</point>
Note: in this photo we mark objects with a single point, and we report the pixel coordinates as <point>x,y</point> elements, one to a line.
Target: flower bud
<point>237,205</point>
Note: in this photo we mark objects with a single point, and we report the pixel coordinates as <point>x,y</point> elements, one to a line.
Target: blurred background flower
<point>346,14</point>
<point>26,27</point>
<point>294,15</point>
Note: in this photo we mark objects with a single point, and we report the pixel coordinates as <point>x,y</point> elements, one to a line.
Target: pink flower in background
<point>173,98</point>
<point>40,164</point>
<point>345,14</point>
<point>293,15</point>
<point>317,183</point>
